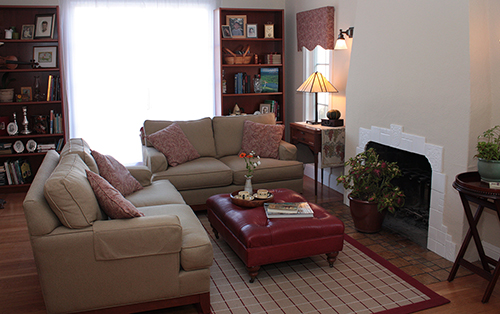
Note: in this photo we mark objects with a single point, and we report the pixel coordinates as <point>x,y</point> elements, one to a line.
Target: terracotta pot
<point>366,216</point>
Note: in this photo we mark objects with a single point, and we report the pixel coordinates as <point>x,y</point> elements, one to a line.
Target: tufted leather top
<point>253,229</point>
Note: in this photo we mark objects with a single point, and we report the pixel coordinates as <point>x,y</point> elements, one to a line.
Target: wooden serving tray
<point>253,203</point>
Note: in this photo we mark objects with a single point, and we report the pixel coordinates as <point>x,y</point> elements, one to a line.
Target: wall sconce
<point>340,44</point>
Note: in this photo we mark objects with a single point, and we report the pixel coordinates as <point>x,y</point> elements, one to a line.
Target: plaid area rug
<point>360,282</point>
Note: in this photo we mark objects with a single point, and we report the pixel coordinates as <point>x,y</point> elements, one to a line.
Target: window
<point>128,61</point>
<point>317,60</point>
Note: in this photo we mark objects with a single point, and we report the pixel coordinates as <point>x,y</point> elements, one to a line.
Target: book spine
<point>7,172</point>
<point>51,127</point>
<point>50,82</point>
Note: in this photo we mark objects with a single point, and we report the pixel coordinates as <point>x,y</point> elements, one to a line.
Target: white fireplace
<point>438,239</point>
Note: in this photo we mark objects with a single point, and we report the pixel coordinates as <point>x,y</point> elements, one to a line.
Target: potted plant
<point>372,193</point>
<point>6,93</point>
<point>488,155</point>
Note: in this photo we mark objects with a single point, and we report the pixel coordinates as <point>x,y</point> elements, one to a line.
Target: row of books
<point>275,107</point>
<point>54,88</point>
<point>288,210</point>
<point>55,123</point>
<point>273,58</point>
<point>241,83</point>
<point>269,80</point>
<point>14,172</point>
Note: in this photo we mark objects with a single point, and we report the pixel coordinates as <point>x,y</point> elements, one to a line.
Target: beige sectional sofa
<point>162,259</point>
<point>219,169</point>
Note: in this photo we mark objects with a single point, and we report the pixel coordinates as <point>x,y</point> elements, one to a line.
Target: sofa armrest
<point>141,174</point>
<point>287,151</point>
<point>143,236</point>
<point>153,159</point>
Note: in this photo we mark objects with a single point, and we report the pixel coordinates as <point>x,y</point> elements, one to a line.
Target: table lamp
<point>316,83</point>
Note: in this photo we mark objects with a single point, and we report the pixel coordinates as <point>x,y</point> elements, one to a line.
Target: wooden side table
<point>471,189</point>
<point>311,136</point>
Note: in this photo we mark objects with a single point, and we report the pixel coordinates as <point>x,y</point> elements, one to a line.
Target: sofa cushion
<point>174,144</point>
<point>110,199</point>
<point>204,172</point>
<point>116,174</point>
<point>157,193</point>
<point>269,170</point>
<point>199,133</point>
<point>228,131</point>
<point>263,139</point>
<point>70,195</point>
<point>80,147</point>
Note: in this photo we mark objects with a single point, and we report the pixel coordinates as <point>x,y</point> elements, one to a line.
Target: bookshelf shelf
<point>24,77</point>
<point>249,102</point>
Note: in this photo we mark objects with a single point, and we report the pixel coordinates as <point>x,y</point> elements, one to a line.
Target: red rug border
<point>436,299</point>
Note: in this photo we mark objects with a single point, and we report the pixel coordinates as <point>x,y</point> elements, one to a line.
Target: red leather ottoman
<point>258,240</point>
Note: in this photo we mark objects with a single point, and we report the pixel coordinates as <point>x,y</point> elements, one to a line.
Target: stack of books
<point>5,148</point>
<point>273,58</point>
<point>288,210</point>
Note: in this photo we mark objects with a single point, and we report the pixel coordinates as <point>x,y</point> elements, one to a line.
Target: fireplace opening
<point>412,220</point>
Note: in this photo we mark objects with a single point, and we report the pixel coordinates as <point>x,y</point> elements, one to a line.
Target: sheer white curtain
<point>127,61</point>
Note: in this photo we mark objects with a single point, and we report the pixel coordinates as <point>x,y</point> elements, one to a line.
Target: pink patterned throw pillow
<point>174,144</point>
<point>263,139</point>
<point>116,174</point>
<point>110,199</point>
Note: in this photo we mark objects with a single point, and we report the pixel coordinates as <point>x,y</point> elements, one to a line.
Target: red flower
<point>243,155</point>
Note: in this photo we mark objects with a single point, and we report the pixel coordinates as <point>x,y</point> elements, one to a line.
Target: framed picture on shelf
<point>226,31</point>
<point>265,108</point>
<point>237,24</point>
<point>28,31</point>
<point>26,94</point>
<point>251,30</point>
<point>45,56</point>
<point>44,25</point>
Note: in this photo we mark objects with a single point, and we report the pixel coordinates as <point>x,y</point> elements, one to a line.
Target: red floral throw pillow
<point>110,199</point>
<point>263,139</point>
<point>174,144</point>
<point>116,174</point>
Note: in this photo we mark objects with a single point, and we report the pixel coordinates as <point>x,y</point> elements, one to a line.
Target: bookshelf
<point>249,101</point>
<point>37,112</point>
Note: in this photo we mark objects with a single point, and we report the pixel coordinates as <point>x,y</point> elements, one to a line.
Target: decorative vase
<point>248,184</point>
<point>489,170</point>
<point>365,215</point>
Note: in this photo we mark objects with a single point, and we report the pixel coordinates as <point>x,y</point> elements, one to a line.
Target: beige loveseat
<point>162,259</point>
<point>219,169</point>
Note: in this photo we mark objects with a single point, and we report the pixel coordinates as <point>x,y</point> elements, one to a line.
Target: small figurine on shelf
<point>25,121</point>
<point>236,110</point>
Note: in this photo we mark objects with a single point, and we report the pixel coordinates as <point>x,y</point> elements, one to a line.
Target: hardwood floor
<point>20,291</point>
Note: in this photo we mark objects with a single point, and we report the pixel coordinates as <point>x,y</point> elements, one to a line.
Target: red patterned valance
<point>315,27</point>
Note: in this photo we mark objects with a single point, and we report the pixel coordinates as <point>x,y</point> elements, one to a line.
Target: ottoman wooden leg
<point>331,257</point>
<point>253,272</point>
<point>216,233</point>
